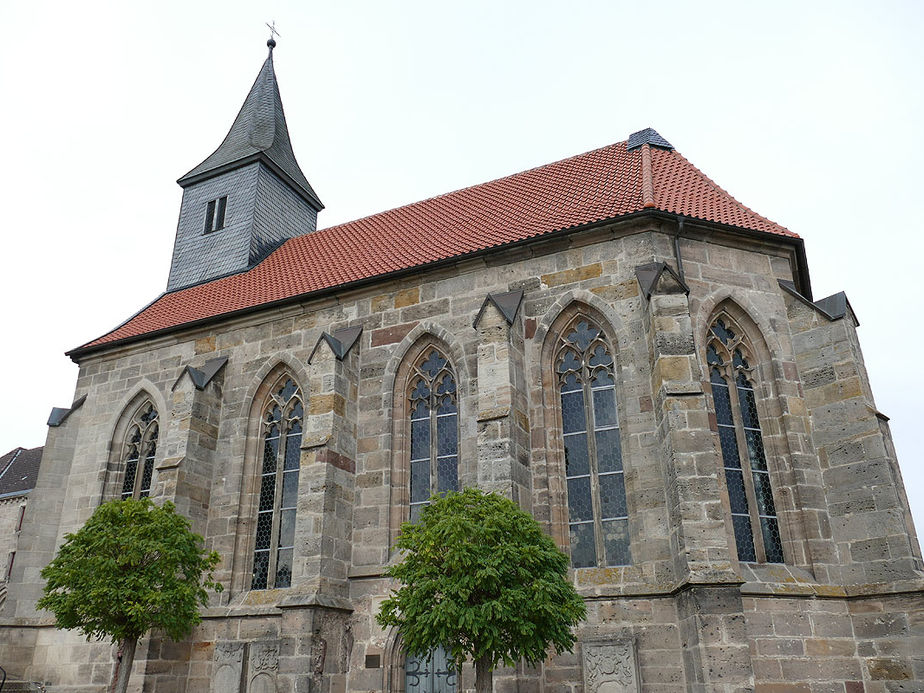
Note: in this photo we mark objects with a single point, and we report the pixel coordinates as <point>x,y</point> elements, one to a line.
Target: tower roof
<point>599,186</point>
<point>259,133</point>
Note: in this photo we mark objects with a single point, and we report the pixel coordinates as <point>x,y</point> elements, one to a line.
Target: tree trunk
<point>484,675</point>
<point>123,667</point>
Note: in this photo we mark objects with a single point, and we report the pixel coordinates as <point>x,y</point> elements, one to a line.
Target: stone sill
<point>240,611</point>
<point>273,602</point>
<point>27,622</point>
<point>366,571</point>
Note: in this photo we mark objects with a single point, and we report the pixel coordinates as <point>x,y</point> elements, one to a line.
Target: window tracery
<point>434,430</point>
<point>139,452</point>
<point>747,478</point>
<point>275,531</point>
<point>598,517</point>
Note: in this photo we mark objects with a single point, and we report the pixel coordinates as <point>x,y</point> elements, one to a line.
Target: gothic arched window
<point>434,432</point>
<point>598,517</point>
<point>275,534</point>
<point>750,496</point>
<point>140,449</point>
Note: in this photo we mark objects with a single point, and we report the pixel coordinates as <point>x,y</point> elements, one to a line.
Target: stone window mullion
<point>434,443</point>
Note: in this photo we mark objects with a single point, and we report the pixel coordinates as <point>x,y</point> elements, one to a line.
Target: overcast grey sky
<point>808,112</point>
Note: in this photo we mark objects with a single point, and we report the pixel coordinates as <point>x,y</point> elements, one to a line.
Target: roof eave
<point>308,195</point>
<point>802,279</point>
<point>16,494</point>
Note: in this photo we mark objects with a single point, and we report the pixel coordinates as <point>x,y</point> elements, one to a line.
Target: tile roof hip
<point>598,185</point>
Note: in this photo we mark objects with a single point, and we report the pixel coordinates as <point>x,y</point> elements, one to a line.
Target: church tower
<point>245,199</point>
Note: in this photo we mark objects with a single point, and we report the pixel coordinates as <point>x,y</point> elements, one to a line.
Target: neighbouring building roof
<point>600,185</point>
<point>18,471</point>
<point>258,132</point>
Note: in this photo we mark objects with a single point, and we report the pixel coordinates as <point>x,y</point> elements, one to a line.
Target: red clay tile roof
<point>598,185</point>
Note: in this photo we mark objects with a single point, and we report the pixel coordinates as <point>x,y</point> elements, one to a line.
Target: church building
<point>611,340</point>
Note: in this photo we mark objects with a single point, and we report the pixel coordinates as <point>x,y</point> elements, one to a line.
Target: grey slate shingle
<point>19,470</point>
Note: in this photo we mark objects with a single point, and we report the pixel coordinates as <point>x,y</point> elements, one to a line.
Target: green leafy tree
<point>134,566</point>
<point>481,579</point>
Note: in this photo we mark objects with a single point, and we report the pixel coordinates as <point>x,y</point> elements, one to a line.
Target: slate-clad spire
<point>259,133</point>
<point>247,198</point>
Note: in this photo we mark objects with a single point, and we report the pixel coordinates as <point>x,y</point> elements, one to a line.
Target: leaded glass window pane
<point>279,470</point>
<point>605,407</point>
<point>597,511</point>
<point>434,430</point>
<point>577,460</point>
<point>131,468</point>
<point>583,548</point>
<point>773,544</point>
<point>148,471</point>
<point>447,475</point>
<point>573,416</point>
<point>747,479</point>
<point>580,507</point>
<point>420,481</point>
<point>609,451</point>
<point>744,538</point>
<point>616,541</point>
<point>612,496</point>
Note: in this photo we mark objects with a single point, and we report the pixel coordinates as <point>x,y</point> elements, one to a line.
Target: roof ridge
<point>469,187</point>
<point>647,178</point>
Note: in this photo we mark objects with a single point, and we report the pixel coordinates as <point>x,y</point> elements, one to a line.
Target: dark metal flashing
<point>16,453</point>
<point>201,377</point>
<point>59,414</point>
<point>650,274</point>
<point>795,241</point>
<point>508,303</point>
<point>647,136</point>
<point>270,249</point>
<point>340,341</point>
<point>16,494</point>
<point>833,307</point>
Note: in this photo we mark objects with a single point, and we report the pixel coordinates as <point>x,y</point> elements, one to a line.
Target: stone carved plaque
<point>610,667</point>
<point>227,667</point>
<point>262,666</point>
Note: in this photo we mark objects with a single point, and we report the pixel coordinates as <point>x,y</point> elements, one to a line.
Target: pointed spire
<point>259,133</point>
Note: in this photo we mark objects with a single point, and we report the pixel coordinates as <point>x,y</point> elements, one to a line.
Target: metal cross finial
<point>272,42</point>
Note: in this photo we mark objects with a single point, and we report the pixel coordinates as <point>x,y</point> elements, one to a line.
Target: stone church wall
<point>843,614</point>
